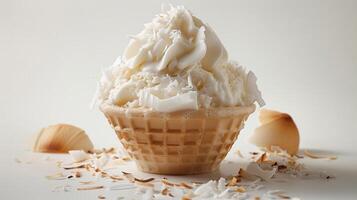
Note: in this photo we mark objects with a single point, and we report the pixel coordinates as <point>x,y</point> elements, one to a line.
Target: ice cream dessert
<point>174,80</point>
<point>177,62</point>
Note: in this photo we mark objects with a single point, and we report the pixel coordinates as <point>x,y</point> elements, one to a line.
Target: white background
<point>304,54</point>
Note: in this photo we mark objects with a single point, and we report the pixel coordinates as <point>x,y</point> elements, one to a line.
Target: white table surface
<point>303,52</point>
<point>27,179</point>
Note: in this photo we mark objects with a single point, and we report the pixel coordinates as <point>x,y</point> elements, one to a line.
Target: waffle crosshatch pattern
<point>186,142</point>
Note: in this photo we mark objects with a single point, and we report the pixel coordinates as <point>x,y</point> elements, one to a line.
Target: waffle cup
<point>178,143</point>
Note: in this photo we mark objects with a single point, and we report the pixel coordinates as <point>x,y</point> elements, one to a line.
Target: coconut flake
<point>78,155</point>
<point>57,176</point>
<point>254,169</point>
<point>101,162</point>
<point>144,180</point>
<point>90,188</point>
<point>315,156</point>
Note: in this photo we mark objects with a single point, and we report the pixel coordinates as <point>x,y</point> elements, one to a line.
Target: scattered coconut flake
<point>233,181</point>
<point>246,175</point>
<point>74,166</point>
<point>101,162</point>
<point>185,185</point>
<point>261,158</point>
<point>315,156</point>
<point>254,169</point>
<point>90,188</point>
<point>57,176</point>
<point>166,182</point>
<point>278,194</point>
<point>129,176</point>
<point>166,192</point>
<point>126,158</point>
<point>240,189</point>
<point>274,161</point>
<point>77,174</point>
<point>86,182</point>
<point>144,180</point>
<point>17,160</point>
<point>185,197</point>
<point>78,155</point>
<point>117,178</point>
<point>101,197</point>
<point>111,150</point>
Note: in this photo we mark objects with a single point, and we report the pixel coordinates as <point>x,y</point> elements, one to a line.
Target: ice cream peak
<point>176,63</point>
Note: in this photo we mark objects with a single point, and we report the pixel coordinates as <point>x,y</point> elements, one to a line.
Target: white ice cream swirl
<point>176,63</point>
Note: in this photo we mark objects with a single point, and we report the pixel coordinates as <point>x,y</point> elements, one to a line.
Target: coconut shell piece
<point>276,129</point>
<point>61,138</point>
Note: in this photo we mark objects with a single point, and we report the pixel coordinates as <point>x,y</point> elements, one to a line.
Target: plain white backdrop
<point>304,54</point>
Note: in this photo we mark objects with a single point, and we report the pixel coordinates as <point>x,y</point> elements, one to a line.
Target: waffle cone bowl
<point>178,143</point>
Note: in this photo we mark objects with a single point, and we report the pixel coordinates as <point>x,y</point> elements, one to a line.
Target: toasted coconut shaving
<point>282,196</point>
<point>185,185</point>
<point>144,180</point>
<point>78,174</point>
<point>129,177</point>
<point>86,182</point>
<point>233,181</point>
<point>101,197</point>
<point>166,192</point>
<point>118,178</point>
<point>245,175</point>
<point>261,158</point>
<point>166,182</point>
<point>91,188</point>
<point>277,194</point>
<point>171,184</point>
<point>110,150</point>
<point>240,189</point>
<point>315,156</point>
<point>186,197</point>
<point>126,158</point>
